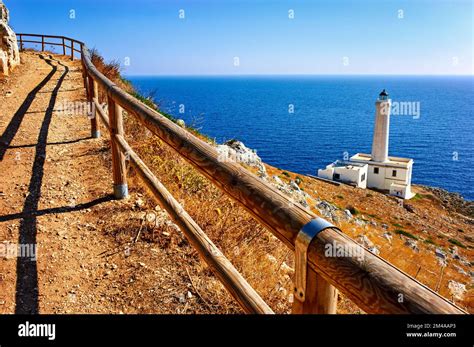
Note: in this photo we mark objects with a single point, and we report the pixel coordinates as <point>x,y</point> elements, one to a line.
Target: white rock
<point>374,250</point>
<point>294,186</point>
<point>277,180</point>
<point>364,241</point>
<point>285,268</point>
<point>442,262</point>
<point>9,53</point>
<point>236,151</point>
<point>271,258</point>
<point>327,210</point>
<point>412,244</point>
<point>457,289</point>
<point>388,237</point>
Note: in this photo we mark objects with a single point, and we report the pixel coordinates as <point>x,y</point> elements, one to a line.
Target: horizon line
<point>296,74</point>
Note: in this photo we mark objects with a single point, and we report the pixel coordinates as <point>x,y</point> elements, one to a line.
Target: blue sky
<point>324,37</point>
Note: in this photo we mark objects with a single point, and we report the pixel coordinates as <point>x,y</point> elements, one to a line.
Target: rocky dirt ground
<point>98,255</point>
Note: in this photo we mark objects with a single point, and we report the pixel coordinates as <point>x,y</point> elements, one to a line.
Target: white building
<point>376,170</point>
<point>347,172</point>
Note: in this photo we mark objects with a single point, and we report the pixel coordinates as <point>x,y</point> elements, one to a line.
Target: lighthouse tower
<point>377,170</point>
<point>381,129</point>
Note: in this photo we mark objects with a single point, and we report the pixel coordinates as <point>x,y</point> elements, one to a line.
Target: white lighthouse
<point>377,170</point>
<point>382,128</point>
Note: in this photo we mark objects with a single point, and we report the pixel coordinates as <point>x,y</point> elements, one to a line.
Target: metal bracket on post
<point>303,240</point>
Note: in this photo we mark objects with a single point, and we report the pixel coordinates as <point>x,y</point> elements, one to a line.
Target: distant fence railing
<point>74,46</point>
<point>369,281</point>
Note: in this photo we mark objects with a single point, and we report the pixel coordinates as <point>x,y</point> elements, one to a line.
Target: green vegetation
<point>298,180</point>
<point>148,100</point>
<point>397,225</point>
<point>430,241</point>
<point>284,173</point>
<point>405,233</point>
<point>353,210</point>
<point>374,216</point>
<point>417,197</point>
<point>457,243</point>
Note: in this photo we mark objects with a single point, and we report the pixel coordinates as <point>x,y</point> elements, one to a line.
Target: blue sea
<point>302,123</point>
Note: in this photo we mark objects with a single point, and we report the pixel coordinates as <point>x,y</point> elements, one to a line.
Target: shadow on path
<point>12,128</point>
<point>57,210</point>
<point>66,142</point>
<point>27,272</point>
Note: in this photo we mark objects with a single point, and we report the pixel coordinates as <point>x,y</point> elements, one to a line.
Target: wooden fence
<point>370,282</point>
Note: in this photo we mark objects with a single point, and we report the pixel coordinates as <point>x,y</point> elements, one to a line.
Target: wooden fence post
<point>42,43</point>
<point>320,297</point>
<point>118,158</point>
<point>72,50</point>
<point>21,42</point>
<point>93,96</point>
<point>64,47</point>
<point>312,294</point>
<point>85,78</point>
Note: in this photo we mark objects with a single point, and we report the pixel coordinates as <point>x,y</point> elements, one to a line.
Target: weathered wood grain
<point>321,297</point>
<point>93,92</point>
<point>119,168</point>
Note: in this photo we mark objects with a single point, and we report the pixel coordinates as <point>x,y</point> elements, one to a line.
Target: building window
<point>363,178</point>
<point>394,173</point>
<point>376,170</point>
<point>337,176</point>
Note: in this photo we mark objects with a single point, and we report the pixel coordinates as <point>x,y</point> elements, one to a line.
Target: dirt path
<point>54,197</point>
<point>43,196</point>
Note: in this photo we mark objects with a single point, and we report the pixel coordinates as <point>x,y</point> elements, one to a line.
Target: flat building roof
<point>392,161</point>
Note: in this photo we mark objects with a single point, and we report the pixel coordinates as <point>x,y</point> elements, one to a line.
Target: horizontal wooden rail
<point>74,47</point>
<point>225,271</point>
<point>51,37</point>
<point>46,43</point>
<point>369,281</point>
